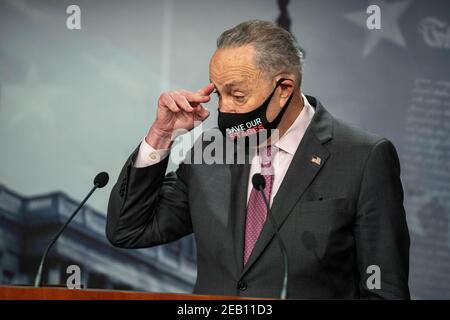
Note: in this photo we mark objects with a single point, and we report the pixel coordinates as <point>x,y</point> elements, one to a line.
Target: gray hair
<point>276,49</point>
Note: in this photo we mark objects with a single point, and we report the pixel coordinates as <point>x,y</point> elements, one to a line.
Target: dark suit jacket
<point>336,219</point>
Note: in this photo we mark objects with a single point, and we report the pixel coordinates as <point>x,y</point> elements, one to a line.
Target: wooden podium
<point>49,293</point>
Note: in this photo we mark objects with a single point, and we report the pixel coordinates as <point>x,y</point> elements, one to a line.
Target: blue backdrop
<point>75,102</point>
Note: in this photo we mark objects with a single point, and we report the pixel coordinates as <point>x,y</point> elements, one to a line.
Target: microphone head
<point>258,181</point>
<point>101,179</point>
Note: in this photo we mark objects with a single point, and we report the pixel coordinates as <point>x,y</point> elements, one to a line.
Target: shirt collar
<point>291,138</point>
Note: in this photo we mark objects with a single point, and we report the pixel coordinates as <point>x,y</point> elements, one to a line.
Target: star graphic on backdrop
<point>390,29</point>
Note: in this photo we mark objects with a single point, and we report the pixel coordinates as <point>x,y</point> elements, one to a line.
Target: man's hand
<point>177,110</point>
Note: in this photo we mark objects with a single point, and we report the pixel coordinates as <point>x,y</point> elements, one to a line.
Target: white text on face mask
<point>248,125</point>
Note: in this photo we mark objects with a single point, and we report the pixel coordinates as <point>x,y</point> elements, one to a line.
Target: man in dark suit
<point>335,191</point>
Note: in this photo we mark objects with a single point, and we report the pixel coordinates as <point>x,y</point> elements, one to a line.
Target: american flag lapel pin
<point>316,160</point>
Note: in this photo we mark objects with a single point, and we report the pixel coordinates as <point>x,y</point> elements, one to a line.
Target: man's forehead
<point>230,84</point>
<point>233,75</point>
<point>233,67</point>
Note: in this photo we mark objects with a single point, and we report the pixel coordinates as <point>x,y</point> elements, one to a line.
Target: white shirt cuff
<point>147,155</point>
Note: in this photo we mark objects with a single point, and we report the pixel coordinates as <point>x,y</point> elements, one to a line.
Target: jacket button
<point>242,286</point>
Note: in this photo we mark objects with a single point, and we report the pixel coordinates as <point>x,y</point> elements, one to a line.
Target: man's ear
<point>287,87</point>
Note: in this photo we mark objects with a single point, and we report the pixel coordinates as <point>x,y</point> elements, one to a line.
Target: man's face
<point>240,86</point>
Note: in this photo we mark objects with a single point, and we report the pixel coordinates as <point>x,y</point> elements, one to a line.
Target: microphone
<point>100,181</point>
<point>259,183</point>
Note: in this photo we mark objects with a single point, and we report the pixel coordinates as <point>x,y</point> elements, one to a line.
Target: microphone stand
<point>38,278</point>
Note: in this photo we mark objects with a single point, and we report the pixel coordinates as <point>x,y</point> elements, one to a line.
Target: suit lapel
<point>301,172</point>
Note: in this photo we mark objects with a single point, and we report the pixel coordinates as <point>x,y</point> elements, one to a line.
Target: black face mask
<point>240,125</point>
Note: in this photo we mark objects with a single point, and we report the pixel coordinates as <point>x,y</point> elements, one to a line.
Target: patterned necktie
<point>256,208</point>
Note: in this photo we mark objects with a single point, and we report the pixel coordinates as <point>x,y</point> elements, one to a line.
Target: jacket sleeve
<point>381,232</point>
<point>147,207</point>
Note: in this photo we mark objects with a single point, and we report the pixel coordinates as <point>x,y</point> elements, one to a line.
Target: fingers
<point>166,100</point>
<point>207,90</point>
<point>201,113</point>
<point>181,101</point>
<point>188,101</point>
<point>194,97</point>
